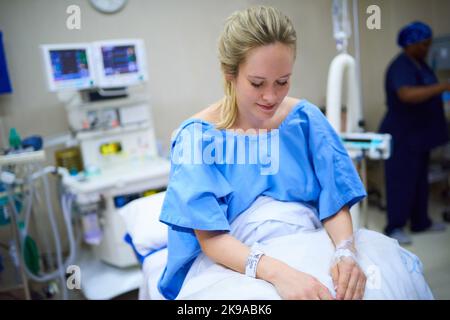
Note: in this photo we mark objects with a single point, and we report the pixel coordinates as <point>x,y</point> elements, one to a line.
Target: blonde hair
<point>246,30</point>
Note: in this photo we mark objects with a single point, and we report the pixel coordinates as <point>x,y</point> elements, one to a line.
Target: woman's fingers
<point>352,283</point>
<point>348,279</point>
<point>335,276</point>
<point>324,293</point>
<point>360,288</point>
<point>344,278</point>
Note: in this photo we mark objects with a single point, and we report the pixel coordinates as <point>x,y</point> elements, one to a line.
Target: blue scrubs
<point>310,166</point>
<point>415,129</point>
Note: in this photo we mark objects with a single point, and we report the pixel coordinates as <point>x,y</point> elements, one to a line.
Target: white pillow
<point>142,223</point>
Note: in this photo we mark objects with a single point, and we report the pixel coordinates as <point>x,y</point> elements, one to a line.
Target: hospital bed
<point>288,231</point>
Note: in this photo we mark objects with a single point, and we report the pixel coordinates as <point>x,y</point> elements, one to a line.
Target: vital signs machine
<point>114,131</point>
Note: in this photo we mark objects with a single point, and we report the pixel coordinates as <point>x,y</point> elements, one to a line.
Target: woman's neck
<point>417,61</point>
<point>246,124</point>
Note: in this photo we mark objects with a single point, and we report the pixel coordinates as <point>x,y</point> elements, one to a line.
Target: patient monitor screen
<point>120,62</point>
<point>119,59</point>
<point>69,64</point>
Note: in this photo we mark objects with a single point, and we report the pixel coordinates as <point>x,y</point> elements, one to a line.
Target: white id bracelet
<point>252,262</point>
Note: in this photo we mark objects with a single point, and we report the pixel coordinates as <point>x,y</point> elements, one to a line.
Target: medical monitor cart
<point>114,130</point>
<point>121,163</point>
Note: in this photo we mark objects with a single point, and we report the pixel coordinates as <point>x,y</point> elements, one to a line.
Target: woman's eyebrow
<point>258,77</point>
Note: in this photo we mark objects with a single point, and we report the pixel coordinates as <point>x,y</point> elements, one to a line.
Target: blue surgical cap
<point>414,32</point>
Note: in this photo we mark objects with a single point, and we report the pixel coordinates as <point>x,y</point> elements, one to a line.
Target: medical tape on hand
<point>341,253</point>
<point>345,244</point>
<point>344,249</point>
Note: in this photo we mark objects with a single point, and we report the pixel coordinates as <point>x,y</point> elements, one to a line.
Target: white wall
<point>181,40</point>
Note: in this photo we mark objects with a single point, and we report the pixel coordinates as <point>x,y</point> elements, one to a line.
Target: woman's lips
<point>265,107</point>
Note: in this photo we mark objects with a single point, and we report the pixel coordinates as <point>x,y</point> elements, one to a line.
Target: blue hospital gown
<point>313,168</point>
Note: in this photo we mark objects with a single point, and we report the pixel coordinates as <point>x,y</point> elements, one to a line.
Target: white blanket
<point>292,233</point>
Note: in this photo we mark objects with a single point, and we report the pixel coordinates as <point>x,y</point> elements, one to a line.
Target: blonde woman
<point>299,159</point>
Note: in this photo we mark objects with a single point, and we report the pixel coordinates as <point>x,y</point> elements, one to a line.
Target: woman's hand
<point>292,284</point>
<point>349,279</point>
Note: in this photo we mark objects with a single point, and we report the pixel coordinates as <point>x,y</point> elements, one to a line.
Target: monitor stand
<point>101,94</point>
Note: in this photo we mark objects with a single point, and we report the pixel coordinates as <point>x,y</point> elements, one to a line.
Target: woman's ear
<point>229,77</point>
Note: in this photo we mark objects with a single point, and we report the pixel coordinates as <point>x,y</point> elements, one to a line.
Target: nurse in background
<point>415,119</point>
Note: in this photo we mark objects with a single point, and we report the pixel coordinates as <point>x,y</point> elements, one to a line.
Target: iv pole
<point>344,68</point>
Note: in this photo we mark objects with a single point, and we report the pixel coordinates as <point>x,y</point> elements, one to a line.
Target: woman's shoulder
<point>291,102</point>
<point>294,108</point>
<point>301,110</point>
<point>209,114</point>
<point>199,122</point>
<point>287,106</point>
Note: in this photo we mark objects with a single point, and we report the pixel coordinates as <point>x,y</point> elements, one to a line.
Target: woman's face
<point>423,49</point>
<point>263,82</point>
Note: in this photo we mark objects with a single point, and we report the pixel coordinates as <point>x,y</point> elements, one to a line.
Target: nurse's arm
<point>419,94</point>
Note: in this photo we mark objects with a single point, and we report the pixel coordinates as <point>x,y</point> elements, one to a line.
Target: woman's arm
<point>226,250</point>
<point>339,226</point>
<point>348,278</point>
<point>419,94</point>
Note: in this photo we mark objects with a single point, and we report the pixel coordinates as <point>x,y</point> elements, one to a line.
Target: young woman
<point>258,142</point>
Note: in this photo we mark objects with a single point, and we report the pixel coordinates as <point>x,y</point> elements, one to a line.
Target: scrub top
<point>210,184</point>
<point>422,126</point>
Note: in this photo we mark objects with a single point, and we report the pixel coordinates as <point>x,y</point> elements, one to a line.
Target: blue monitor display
<point>119,59</point>
<point>119,62</point>
<point>69,64</point>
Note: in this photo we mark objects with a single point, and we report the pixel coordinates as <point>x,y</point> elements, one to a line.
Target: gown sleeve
<point>339,181</point>
<point>196,193</point>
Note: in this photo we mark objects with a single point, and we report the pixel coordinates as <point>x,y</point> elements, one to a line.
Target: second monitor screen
<point>119,59</point>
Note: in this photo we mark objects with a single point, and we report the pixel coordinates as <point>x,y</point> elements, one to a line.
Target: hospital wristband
<point>252,262</point>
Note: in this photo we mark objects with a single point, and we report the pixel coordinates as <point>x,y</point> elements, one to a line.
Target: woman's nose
<point>269,96</point>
